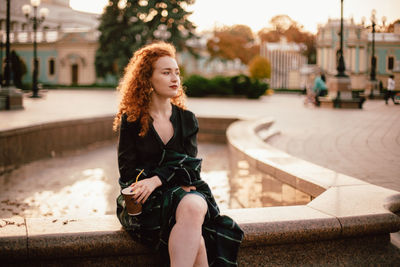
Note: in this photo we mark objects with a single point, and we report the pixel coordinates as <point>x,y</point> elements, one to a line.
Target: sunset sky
<point>257,13</point>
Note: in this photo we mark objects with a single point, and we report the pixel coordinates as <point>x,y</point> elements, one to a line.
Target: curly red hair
<point>135,86</point>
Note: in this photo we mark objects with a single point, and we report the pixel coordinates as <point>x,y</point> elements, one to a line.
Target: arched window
<point>390,65</point>
<point>52,67</point>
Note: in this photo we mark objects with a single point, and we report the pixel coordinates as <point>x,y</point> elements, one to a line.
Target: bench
<point>350,100</point>
<point>344,99</point>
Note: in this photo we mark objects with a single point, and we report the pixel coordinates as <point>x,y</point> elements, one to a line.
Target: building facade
<point>286,61</point>
<point>66,59</point>
<point>357,51</point>
<point>66,43</point>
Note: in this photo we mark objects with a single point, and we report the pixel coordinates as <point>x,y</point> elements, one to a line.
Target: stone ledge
<point>360,208</point>
<point>46,240</point>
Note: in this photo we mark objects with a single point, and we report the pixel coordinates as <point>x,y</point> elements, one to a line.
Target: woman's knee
<point>191,207</point>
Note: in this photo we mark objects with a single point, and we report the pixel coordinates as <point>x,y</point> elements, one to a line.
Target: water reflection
<point>86,184</point>
<point>251,188</point>
<point>78,185</point>
<point>219,184</point>
<point>83,198</point>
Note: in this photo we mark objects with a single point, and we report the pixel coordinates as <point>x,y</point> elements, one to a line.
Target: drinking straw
<point>137,177</point>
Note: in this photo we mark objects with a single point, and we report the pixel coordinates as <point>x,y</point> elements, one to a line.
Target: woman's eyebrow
<point>169,69</point>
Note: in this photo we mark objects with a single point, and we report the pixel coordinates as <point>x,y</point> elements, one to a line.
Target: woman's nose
<point>174,77</point>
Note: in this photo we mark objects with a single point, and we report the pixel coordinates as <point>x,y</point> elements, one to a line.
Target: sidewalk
<point>361,143</point>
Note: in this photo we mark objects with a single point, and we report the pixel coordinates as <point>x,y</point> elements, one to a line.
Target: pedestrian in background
<point>390,89</point>
<point>319,88</point>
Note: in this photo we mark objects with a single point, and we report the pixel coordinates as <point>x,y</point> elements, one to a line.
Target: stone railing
<point>343,221</point>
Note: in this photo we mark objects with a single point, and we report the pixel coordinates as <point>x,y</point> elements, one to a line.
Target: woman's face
<point>165,79</point>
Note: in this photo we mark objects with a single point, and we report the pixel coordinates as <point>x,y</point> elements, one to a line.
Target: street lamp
<point>10,97</point>
<point>1,58</point>
<point>26,9</point>
<point>373,59</point>
<point>341,66</point>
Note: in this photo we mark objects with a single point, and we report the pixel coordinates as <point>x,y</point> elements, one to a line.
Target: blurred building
<point>204,64</point>
<point>286,61</point>
<point>66,42</point>
<point>357,51</point>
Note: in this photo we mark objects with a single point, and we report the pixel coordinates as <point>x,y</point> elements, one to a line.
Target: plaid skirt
<point>152,227</point>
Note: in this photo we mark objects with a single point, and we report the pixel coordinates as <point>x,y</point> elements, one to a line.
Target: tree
<point>284,26</point>
<point>282,23</point>
<point>233,42</point>
<point>127,25</point>
<point>259,68</point>
<point>390,27</point>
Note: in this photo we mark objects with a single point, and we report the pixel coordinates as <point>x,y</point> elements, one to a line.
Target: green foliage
<point>124,29</point>
<point>257,89</point>
<point>259,68</point>
<point>220,85</point>
<point>196,86</point>
<point>241,85</point>
<point>18,69</point>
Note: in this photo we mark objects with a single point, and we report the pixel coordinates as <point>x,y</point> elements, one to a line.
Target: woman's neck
<point>160,106</point>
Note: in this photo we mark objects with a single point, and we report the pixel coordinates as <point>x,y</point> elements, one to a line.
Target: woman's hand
<point>188,188</point>
<point>145,187</point>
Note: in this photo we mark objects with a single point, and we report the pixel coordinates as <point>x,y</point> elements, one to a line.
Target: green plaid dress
<point>221,234</point>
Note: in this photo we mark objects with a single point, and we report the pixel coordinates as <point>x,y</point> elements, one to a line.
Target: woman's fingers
<point>145,198</point>
<point>188,188</point>
<point>142,194</point>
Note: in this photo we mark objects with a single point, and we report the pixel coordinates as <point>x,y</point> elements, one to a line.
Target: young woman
<point>157,138</point>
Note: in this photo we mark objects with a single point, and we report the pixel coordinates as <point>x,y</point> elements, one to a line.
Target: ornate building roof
<point>61,16</point>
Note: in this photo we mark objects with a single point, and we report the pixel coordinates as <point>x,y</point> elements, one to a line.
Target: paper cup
<point>132,207</point>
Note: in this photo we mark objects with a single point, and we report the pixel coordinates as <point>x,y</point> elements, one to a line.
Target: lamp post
<point>10,97</point>
<point>341,65</point>
<point>1,58</point>
<point>373,59</point>
<point>7,70</point>
<point>26,9</point>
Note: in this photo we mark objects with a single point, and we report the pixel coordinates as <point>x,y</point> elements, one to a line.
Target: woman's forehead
<point>166,62</point>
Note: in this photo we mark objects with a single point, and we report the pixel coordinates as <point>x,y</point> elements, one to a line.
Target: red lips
<point>174,86</point>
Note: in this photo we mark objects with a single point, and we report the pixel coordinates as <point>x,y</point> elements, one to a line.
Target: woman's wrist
<point>157,181</point>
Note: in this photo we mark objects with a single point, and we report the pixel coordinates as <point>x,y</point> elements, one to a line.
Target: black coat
<point>136,153</point>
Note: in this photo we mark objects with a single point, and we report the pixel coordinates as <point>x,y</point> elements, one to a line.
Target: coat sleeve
<point>127,152</point>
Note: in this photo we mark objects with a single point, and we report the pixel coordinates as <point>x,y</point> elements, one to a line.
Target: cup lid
<point>127,191</point>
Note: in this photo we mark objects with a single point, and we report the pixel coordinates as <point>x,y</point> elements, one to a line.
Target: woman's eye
<point>166,72</point>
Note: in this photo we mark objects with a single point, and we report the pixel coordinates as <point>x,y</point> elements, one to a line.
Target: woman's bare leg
<point>201,258</point>
<point>185,238</point>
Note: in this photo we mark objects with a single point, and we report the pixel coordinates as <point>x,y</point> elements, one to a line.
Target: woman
<point>179,218</point>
